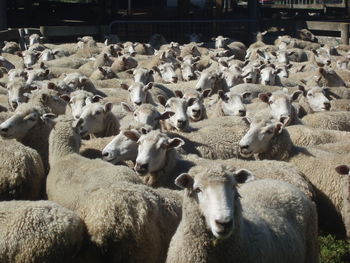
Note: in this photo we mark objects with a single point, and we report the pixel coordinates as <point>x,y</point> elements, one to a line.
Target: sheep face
<point>258,137</point>
<point>206,80</point>
<point>250,74</point>
<point>121,148</point>
<point>232,103</point>
<point>10,47</point>
<point>328,78</point>
<point>317,99</point>
<point>187,71</point>
<point>152,151</point>
<point>92,118</point>
<point>47,55</point>
<point>143,75</point>
<point>268,76</point>
<point>139,93</point>
<point>17,93</point>
<point>77,101</point>
<point>179,120</point>
<point>220,41</point>
<point>194,99</point>
<point>17,126</point>
<point>232,77</point>
<point>17,73</point>
<point>167,71</point>
<point>30,58</point>
<point>280,104</point>
<point>37,74</point>
<point>215,193</point>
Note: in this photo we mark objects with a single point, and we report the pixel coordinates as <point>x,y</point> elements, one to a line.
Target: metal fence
<point>305,4</point>
<point>178,30</point>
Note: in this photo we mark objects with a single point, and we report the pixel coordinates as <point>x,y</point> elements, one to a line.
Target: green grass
<point>334,250</point>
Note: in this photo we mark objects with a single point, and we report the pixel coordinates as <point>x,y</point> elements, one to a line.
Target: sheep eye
<point>135,114</point>
<point>309,94</point>
<point>98,112</point>
<point>197,190</point>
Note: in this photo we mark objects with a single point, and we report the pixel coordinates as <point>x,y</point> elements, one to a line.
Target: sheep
<point>98,119</point>
<point>22,172</point>
<point>209,80</point>
<point>17,92</point>
<point>178,121</point>
<point>313,100</point>
<point>268,220</point>
<point>102,73</point>
<point>302,135</point>
<point>280,105</point>
<point>337,147</point>
<point>268,139</point>
<point>253,89</point>
<point>125,219</point>
<point>230,104</point>
<point>72,62</point>
<point>340,105</point>
<point>27,126</point>
<point>143,75</point>
<point>330,120</point>
<point>196,110</point>
<point>10,47</point>
<point>39,231</point>
<point>146,114</point>
<point>157,160</point>
<point>123,63</point>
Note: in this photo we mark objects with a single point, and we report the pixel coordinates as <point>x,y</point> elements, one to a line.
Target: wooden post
<point>3,17</point>
<point>344,32</point>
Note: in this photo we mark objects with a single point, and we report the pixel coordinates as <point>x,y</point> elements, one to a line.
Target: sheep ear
<point>222,95</point>
<point>96,98</point>
<point>65,97</point>
<point>296,94</point>
<point>165,115</point>
<point>184,181</point>
<point>343,169</point>
<point>162,100</point>
<point>264,97</point>
<point>132,135</point>
<point>48,117</point>
<point>175,143</point>
<point>206,93</point>
<point>108,107</point>
<point>148,86</point>
<point>126,107</point>
<point>279,127</point>
<point>247,120</point>
<point>243,176</point>
<point>178,93</point>
<point>124,86</point>
<point>246,95</point>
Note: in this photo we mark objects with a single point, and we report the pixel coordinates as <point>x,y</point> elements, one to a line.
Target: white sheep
<point>264,220</point>
<point>268,139</point>
<point>39,231</point>
<point>330,120</point>
<point>22,172</point>
<point>125,219</point>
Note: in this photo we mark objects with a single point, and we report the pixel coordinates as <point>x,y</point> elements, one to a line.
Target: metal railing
<point>305,4</point>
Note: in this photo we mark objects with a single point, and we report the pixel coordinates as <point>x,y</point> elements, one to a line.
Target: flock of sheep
<point>161,152</point>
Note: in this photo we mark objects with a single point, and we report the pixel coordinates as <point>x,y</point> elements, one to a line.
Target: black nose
<point>244,147</point>
<point>242,112</point>
<point>14,104</point>
<point>327,105</point>
<point>224,224</point>
<point>175,79</point>
<point>181,123</point>
<point>105,154</point>
<point>4,129</point>
<point>141,168</point>
<point>138,103</point>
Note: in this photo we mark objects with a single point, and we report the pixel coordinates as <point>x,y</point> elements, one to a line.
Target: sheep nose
<point>141,168</point>
<point>181,123</point>
<point>14,104</point>
<point>242,112</point>
<point>327,105</point>
<point>224,224</point>
<point>4,130</point>
<point>243,147</point>
<point>138,103</point>
<point>175,79</point>
<point>105,155</point>
<point>267,82</point>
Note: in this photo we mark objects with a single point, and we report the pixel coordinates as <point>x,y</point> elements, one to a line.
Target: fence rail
<point>305,4</point>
